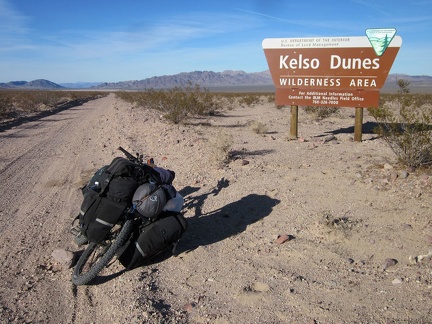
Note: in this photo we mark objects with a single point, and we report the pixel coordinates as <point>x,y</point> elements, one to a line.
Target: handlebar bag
<point>124,168</point>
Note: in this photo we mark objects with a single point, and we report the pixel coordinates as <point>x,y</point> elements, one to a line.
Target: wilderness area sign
<point>330,71</point>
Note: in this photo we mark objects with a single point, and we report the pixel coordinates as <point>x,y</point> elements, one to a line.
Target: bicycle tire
<point>83,276</point>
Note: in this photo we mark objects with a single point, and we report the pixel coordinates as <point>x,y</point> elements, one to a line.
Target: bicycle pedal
<point>75,230</point>
<point>81,239</point>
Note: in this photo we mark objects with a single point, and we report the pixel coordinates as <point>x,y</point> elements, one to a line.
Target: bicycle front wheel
<point>97,255</point>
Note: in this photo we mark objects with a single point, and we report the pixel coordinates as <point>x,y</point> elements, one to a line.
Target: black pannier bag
<point>109,195</point>
<point>152,238</point>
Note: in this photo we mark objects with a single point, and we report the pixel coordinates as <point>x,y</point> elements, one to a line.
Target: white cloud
<point>372,5</point>
<point>166,35</point>
<point>13,29</point>
<point>11,21</point>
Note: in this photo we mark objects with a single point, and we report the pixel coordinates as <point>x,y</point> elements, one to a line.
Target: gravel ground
<point>316,230</point>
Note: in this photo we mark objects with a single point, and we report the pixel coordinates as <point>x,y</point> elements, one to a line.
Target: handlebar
<point>139,159</point>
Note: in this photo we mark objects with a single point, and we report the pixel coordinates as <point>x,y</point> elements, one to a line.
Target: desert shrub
<point>176,104</point>
<point>14,103</point>
<point>250,99</point>
<point>320,112</point>
<point>226,100</point>
<point>258,127</point>
<point>270,97</point>
<point>6,106</point>
<point>124,95</point>
<point>221,147</point>
<point>180,103</point>
<point>246,99</point>
<point>405,123</point>
<point>403,86</point>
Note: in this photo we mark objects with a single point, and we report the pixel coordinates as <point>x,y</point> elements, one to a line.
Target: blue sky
<point>71,41</point>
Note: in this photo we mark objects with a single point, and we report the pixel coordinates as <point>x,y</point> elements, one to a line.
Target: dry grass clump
<point>320,112</point>
<point>258,127</point>
<point>220,149</point>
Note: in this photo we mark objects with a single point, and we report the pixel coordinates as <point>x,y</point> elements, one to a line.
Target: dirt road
<point>43,163</point>
<point>347,207</point>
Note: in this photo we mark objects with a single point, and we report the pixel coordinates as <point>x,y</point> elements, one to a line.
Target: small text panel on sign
<point>326,97</point>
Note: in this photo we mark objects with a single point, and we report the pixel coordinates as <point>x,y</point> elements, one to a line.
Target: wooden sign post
<point>294,122</point>
<point>358,125</point>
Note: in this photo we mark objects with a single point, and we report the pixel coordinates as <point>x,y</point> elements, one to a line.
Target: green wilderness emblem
<point>380,38</point>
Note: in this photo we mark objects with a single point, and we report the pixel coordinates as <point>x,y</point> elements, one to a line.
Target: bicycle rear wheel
<point>97,255</point>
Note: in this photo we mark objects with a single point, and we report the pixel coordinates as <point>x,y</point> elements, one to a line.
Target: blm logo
<point>380,38</point>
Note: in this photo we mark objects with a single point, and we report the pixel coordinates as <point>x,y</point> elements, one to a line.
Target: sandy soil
<point>351,216</point>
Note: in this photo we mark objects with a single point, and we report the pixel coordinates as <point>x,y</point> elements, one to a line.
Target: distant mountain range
<point>209,79</point>
<point>203,78</point>
<point>35,84</point>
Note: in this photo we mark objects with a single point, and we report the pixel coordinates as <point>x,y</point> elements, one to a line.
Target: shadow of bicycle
<point>231,219</point>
